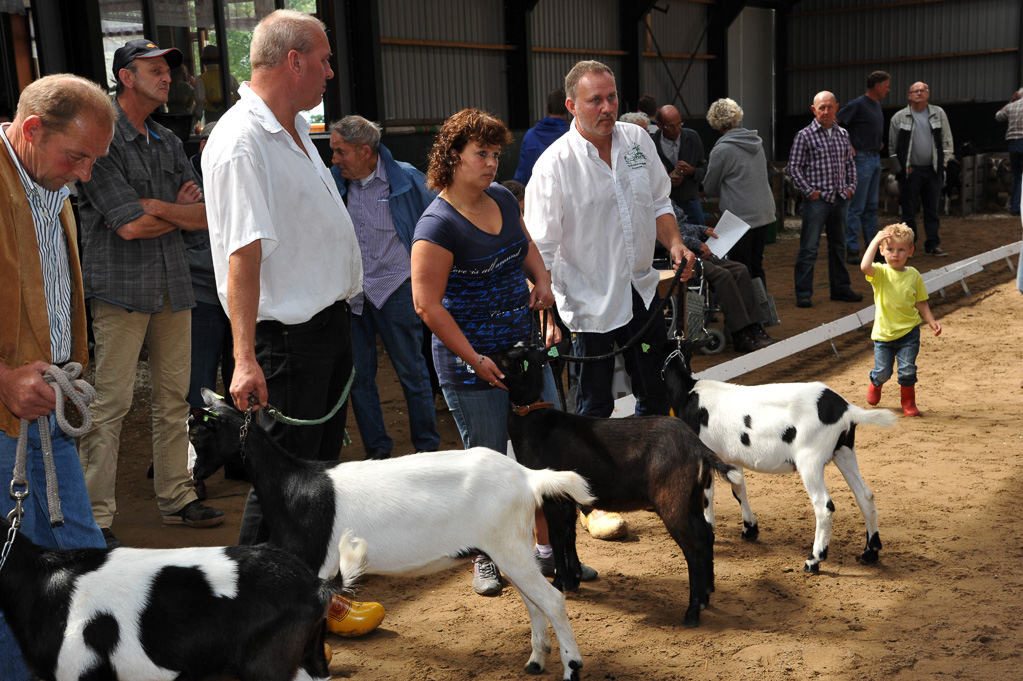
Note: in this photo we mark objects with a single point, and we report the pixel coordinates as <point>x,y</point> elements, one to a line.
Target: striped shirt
<point>385,262</point>
<point>53,256</point>
<point>822,161</point>
<point>1013,112</point>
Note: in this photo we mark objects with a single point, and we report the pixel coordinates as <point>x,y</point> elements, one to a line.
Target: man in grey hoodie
<point>737,173</point>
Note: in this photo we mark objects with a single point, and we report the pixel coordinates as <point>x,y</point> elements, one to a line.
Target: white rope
<point>81,394</point>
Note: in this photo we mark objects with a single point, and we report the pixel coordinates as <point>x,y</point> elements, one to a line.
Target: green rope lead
<point>287,420</point>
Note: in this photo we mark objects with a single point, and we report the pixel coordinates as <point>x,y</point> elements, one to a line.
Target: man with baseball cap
<point>140,200</point>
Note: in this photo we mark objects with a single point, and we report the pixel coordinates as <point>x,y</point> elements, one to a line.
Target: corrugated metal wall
<point>569,25</point>
<point>429,82</point>
<point>424,82</point>
<point>837,50</point>
<point>677,32</point>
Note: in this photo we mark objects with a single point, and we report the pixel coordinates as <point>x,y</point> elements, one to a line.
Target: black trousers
<point>923,185</point>
<point>306,367</point>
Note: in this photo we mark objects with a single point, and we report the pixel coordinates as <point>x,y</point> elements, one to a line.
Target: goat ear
<point>212,399</point>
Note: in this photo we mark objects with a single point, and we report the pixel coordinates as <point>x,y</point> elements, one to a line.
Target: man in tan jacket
<point>63,124</point>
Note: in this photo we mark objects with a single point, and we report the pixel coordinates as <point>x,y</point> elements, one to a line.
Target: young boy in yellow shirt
<point>900,304</point>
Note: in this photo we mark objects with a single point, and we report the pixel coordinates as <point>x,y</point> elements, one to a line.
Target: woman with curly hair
<point>471,255</point>
<point>737,172</point>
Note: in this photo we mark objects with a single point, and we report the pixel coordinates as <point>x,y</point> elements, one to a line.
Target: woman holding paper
<point>737,173</point>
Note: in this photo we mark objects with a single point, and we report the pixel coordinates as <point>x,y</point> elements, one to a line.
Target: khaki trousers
<point>119,336</point>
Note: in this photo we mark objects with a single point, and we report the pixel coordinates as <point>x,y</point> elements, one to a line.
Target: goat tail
<point>549,483</point>
<point>732,474</point>
<point>351,564</point>
<point>877,417</point>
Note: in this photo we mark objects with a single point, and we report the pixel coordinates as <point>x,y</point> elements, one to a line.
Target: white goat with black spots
<point>418,514</point>
<point>252,613</point>
<point>778,428</point>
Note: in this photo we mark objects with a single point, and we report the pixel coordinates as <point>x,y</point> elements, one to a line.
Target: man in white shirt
<point>284,250</point>
<point>600,203</point>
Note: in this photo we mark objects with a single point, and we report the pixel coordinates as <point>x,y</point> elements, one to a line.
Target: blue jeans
<point>212,347</point>
<point>863,207</point>
<point>593,397</point>
<point>1016,161</point>
<point>829,218</point>
<point>401,330</point>
<point>904,350</point>
<point>78,531</point>
<point>694,211</point>
<point>482,415</point>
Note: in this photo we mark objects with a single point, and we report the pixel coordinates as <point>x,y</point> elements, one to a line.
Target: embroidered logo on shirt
<point>635,158</point>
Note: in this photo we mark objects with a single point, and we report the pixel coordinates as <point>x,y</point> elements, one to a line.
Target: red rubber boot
<point>909,401</point>
<point>873,393</point>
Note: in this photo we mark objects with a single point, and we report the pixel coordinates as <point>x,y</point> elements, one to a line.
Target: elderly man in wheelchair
<point>732,287</point>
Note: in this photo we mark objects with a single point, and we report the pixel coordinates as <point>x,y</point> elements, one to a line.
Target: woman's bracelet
<point>479,360</point>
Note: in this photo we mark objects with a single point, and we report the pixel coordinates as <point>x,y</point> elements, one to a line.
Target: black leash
<point>655,316</point>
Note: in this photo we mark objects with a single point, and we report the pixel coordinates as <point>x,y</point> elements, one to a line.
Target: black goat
<point>253,613</point>
<point>651,462</point>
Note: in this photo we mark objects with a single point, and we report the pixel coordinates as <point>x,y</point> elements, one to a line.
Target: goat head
<point>214,434</point>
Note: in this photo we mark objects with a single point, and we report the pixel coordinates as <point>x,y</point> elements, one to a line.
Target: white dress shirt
<point>260,185</point>
<point>595,225</point>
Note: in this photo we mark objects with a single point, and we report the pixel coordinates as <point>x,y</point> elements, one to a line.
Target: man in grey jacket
<point>920,144</point>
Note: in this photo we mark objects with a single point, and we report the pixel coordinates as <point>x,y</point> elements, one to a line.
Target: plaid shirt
<point>143,273</point>
<point>1013,112</point>
<point>822,162</point>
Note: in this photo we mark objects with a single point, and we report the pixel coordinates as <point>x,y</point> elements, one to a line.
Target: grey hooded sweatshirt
<point>737,172</point>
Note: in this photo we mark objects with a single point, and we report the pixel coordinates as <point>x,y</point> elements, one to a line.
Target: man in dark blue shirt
<point>864,120</point>
<point>542,135</point>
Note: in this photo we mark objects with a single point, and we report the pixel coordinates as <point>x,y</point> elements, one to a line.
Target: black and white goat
<point>252,613</point>
<point>463,503</point>
<point>652,462</point>
<point>778,428</point>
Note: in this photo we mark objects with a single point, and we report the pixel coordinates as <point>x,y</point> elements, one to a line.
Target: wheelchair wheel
<point>718,344</point>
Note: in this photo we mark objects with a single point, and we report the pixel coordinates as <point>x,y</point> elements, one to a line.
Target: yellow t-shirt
<point>895,297</point>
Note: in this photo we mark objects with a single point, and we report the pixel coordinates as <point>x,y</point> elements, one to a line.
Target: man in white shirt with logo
<point>597,200</point>
<point>600,202</point>
<point>285,256</point>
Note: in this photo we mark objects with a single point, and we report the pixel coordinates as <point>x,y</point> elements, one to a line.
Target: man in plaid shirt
<point>1013,112</point>
<point>823,169</point>
<point>136,279</point>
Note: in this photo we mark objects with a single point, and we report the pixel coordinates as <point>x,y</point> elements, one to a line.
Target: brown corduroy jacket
<point>24,321</point>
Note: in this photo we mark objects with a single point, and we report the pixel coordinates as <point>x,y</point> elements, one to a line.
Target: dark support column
<point>723,13</point>
<point>364,57</point>
<point>83,40</point>
<point>631,14</point>
<point>48,18</point>
<point>220,26</point>
<point>518,63</point>
<point>337,100</point>
<point>781,63</point>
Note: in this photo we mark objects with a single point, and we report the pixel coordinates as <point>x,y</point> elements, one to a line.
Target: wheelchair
<point>689,312</point>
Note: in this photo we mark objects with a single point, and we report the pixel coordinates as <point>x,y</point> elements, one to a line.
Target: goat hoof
<point>812,567</point>
<point>868,556</point>
<point>534,668</point>
<point>692,618</point>
<point>750,532</point>
<point>874,542</point>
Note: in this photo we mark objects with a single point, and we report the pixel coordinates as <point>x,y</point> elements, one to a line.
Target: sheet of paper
<point>729,230</point>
